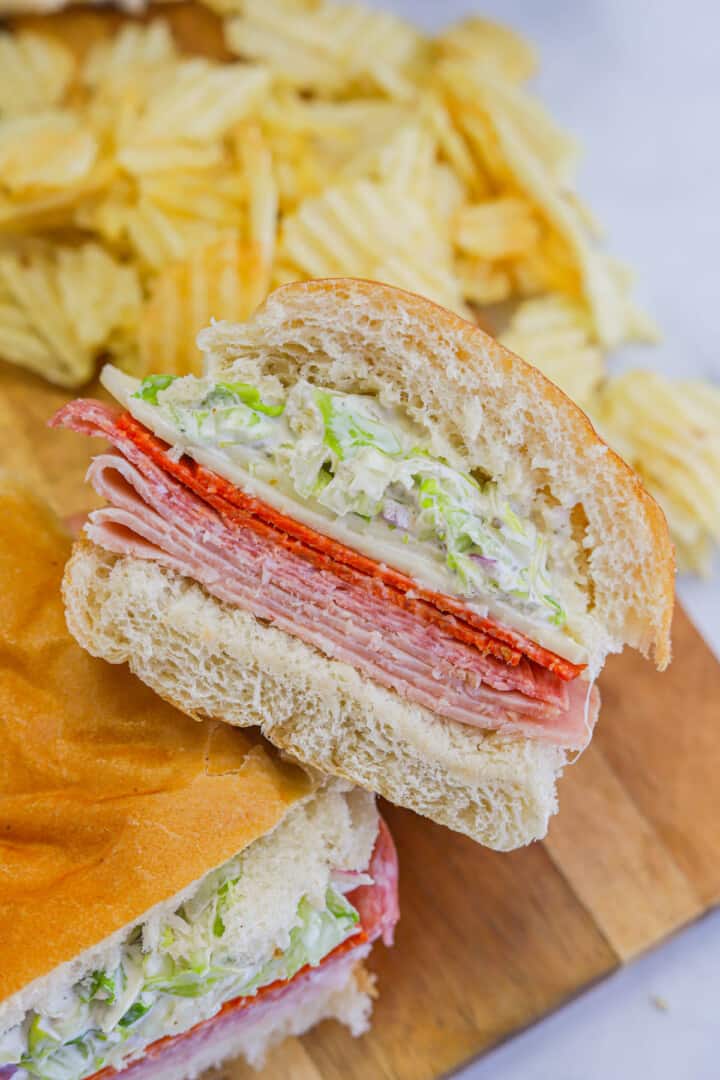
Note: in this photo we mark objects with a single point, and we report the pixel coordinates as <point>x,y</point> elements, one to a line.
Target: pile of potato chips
<point>145,190</point>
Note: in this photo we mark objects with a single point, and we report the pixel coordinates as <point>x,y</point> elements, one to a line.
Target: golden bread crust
<point>111,801</point>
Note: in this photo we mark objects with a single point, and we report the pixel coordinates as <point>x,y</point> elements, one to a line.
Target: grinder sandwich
<point>172,894</point>
<point>374,532</point>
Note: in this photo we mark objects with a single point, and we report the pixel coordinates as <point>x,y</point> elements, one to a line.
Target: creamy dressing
<point>166,982</point>
<point>356,472</point>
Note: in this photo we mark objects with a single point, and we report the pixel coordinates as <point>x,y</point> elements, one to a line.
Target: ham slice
<point>153,515</point>
<point>378,904</point>
<point>395,587</point>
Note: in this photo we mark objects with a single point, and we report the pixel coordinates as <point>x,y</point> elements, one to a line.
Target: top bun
<point>484,408</point>
<point>111,800</point>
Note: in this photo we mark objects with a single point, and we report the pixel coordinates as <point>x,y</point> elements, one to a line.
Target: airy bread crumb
<point>214,660</point>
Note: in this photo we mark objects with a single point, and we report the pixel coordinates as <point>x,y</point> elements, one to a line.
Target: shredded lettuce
<point>349,426</point>
<point>102,987</point>
<point>250,395</point>
<point>109,1014</point>
<point>151,386</point>
<point>134,1013</point>
<point>351,456</point>
<point>227,415</point>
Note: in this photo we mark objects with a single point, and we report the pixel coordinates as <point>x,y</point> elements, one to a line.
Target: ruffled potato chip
<point>134,50</point>
<point>326,47</point>
<point>497,228</point>
<point>372,230</point>
<point>555,335</point>
<point>454,147</point>
<point>44,151</point>
<point>218,195</point>
<point>36,72</point>
<point>200,102</point>
<point>226,279</point>
<point>566,259</point>
<point>133,224</point>
<point>669,431</point>
<point>60,306</point>
<point>482,281</point>
<point>255,158</point>
<point>31,211</point>
<point>489,45</point>
<point>474,87</point>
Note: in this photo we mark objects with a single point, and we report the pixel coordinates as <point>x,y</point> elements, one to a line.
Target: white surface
<point>654,1020</point>
<point>640,83</point>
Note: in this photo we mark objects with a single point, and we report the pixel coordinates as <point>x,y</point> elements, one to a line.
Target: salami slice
<point>489,636</point>
<point>405,643</point>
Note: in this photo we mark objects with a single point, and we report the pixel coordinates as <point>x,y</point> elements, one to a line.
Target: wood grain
<point>487,943</point>
<point>475,930</point>
<point>615,860</point>
<point>661,736</point>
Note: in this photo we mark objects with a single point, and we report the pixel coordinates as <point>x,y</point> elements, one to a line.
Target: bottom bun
<point>215,661</point>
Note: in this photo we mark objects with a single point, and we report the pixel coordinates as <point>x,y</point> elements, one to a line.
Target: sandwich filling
<point>365,475</point>
<point>168,975</point>
<point>324,514</point>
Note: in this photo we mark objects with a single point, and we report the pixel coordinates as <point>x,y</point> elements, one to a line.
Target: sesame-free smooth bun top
<point>488,412</point>
<point>111,801</point>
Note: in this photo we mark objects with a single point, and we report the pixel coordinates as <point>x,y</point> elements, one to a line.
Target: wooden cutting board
<point>489,943</point>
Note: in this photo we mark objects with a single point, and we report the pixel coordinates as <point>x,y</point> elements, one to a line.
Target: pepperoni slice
<point>246,511</point>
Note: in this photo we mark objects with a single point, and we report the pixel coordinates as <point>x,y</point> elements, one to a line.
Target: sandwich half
<point>374,532</point>
<point>172,894</point>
